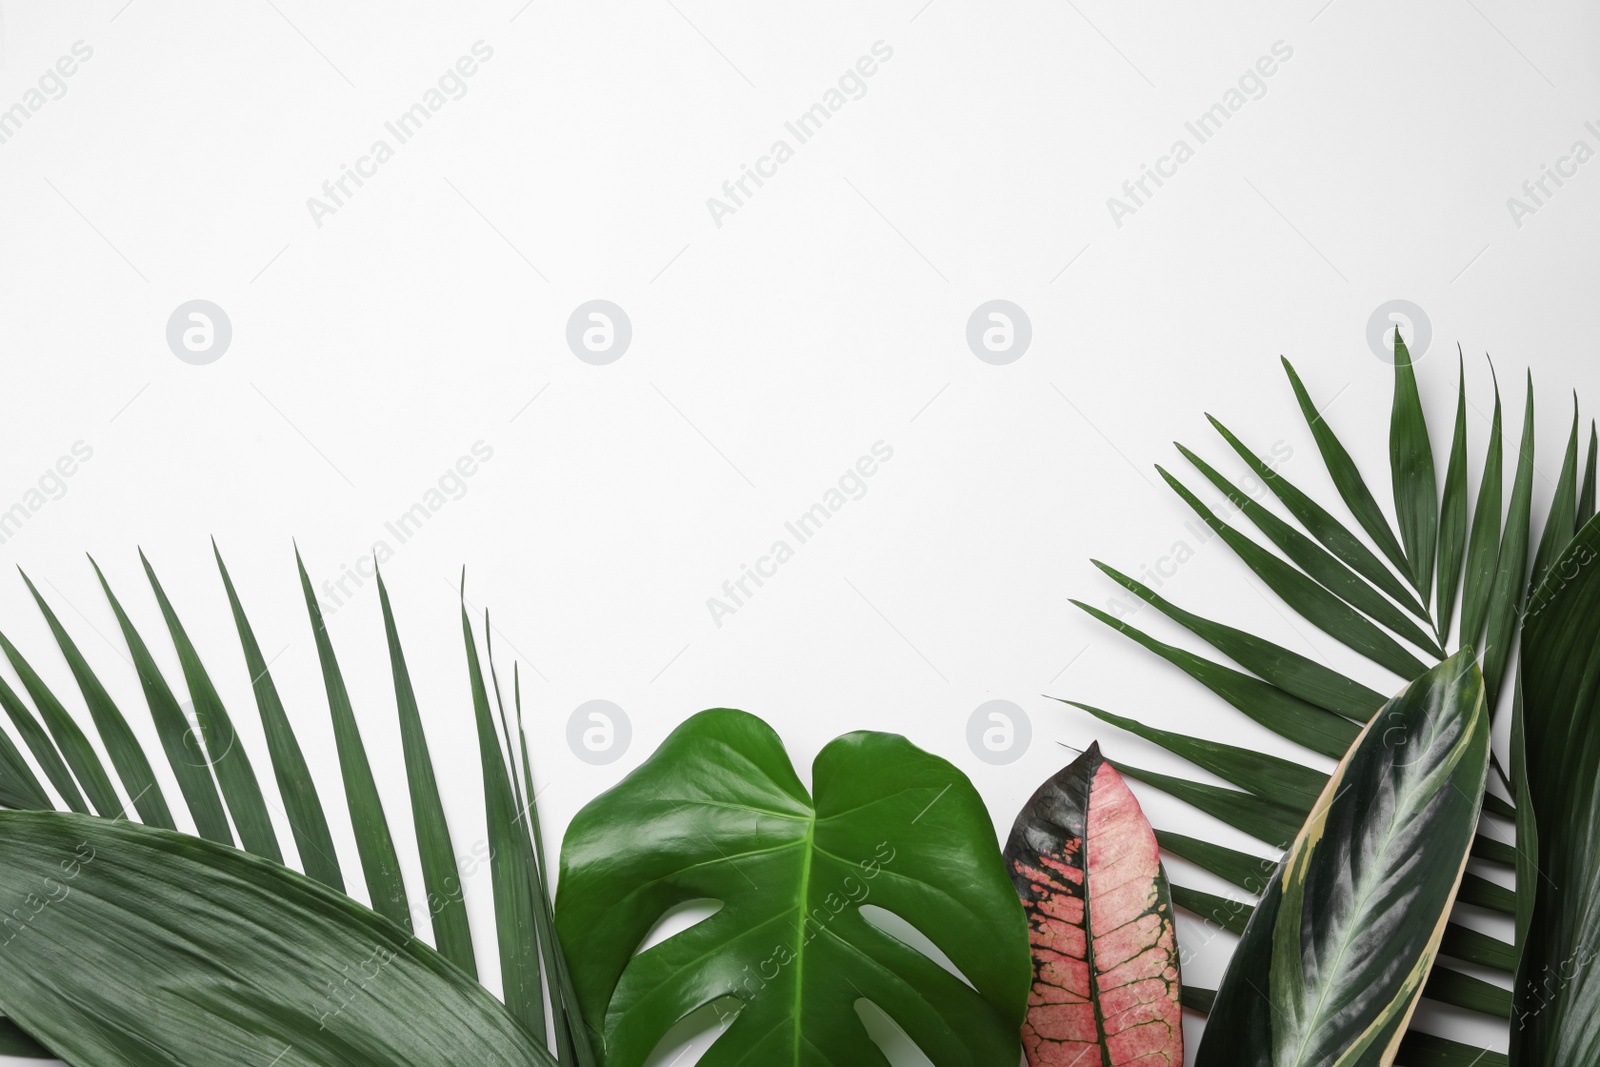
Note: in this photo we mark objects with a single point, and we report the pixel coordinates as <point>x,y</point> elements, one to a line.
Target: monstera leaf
<point>718,813</point>
<point>128,946</point>
<point>1334,957</point>
<point>1105,953</point>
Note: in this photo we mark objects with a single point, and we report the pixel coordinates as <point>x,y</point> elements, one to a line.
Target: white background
<point>828,313</point>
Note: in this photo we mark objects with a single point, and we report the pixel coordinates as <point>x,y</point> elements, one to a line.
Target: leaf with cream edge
<point>1334,959</point>
<point>1105,957</point>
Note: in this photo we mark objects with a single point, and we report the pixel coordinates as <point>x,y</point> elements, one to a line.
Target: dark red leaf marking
<point>1105,962</point>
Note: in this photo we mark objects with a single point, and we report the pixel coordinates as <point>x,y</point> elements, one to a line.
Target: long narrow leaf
<point>184,754</point>
<point>1453,511</point>
<point>43,749</point>
<point>380,864</point>
<point>1558,528</point>
<point>1324,610</point>
<point>1347,478</point>
<point>1586,499</point>
<point>452,933</point>
<point>1257,772</point>
<point>1510,580</point>
<point>127,755</point>
<point>69,738</point>
<point>1295,674</point>
<point>1318,563</point>
<point>307,822</point>
<point>222,749</point>
<point>1483,550</point>
<point>508,865</point>
<point>1416,491</point>
<point>1320,523</point>
<point>1290,717</point>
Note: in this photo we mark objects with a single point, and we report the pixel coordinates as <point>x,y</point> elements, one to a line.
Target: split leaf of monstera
<point>718,813</point>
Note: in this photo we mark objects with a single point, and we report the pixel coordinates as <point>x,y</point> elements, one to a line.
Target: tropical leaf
<point>138,947</point>
<point>1334,959</point>
<point>1346,476</point>
<point>1416,492</point>
<point>1105,953</point>
<point>718,813</point>
<point>1453,509</point>
<point>1558,988</point>
<point>210,752</point>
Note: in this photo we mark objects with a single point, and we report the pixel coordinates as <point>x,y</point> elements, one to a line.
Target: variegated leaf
<point>1105,960</point>
<point>1332,962</point>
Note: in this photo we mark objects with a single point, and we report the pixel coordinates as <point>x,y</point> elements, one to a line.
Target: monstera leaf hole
<point>888,1036</point>
<point>676,920</point>
<point>908,935</point>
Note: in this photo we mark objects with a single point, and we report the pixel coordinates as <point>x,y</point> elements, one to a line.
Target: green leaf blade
<point>1391,806</point>
<point>1416,491</point>
<point>221,957</point>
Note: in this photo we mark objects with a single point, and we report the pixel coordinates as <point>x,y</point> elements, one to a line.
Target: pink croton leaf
<point>1105,954</point>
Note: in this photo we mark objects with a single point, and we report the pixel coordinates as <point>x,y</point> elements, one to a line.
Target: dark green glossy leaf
<point>1263,818</point>
<point>220,957</point>
<point>1416,491</point>
<point>69,738</point>
<point>1319,564</point>
<point>1347,478</point>
<point>379,863</point>
<point>19,786</point>
<point>1321,524</point>
<point>121,745</point>
<point>1336,954</point>
<point>1558,985</point>
<point>1421,1049</point>
<point>1289,671</point>
<point>718,813</point>
<point>1288,716</point>
<point>1558,528</point>
<point>572,1036</point>
<point>1483,548</point>
<point>1324,610</point>
<point>509,856</point>
<point>1510,580</point>
<point>313,842</point>
<point>44,750</point>
<point>447,905</point>
<point>185,753</point>
<point>1586,498</point>
<point>220,746</point>
<point>1257,772</point>
<point>1453,511</point>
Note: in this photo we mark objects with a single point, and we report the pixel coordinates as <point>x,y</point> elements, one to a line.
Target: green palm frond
<point>229,802</point>
<point>1447,574</point>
